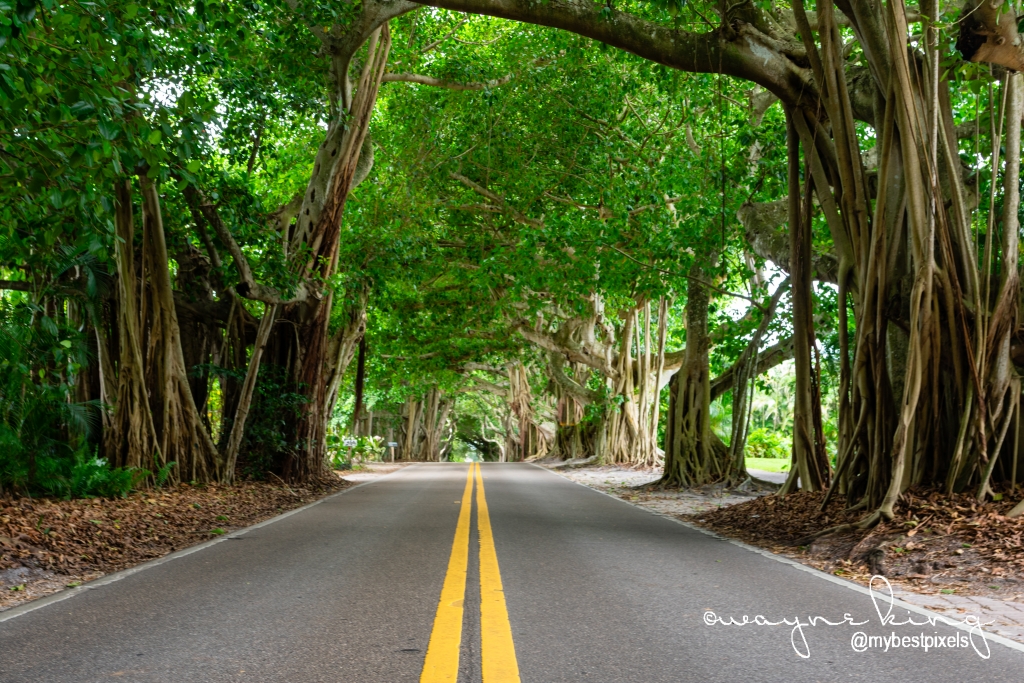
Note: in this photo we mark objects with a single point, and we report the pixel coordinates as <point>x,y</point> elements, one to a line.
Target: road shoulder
<point>691,508</point>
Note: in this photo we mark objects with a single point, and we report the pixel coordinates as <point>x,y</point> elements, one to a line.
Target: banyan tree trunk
<point>156,423</point>
<point>184,439</point>
<point>302,343</point>
<point>742,399</point>
<point>344,343</point>
<point>200,337</point>
<point>632,427</point>
<point>809,461</point>
<point>693,457</point>
<point>411,419</point>
<point>241,414</point>
<point>929,403</point>
<point>360,384</point>
<point>435,412</point>
<point>131,438</point>
<point>531,440</point>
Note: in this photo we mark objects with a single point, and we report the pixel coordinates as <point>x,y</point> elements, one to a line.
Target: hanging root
<point>763,483</point>
<point>572,464</point>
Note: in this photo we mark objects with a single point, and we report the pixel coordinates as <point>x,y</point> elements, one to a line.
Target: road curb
<point>106,579</point>
<point>896,602</point>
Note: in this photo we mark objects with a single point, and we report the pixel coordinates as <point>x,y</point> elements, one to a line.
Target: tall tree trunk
<point>343,345</point>
<point>746,369</point>
<point>809,463</point>
<point>183,437</point>
<point>693,456</point>
<point>428,447</point>
<point>131,439</point>
<point>632,426</point>
<point>305,348</point>
<point>411,425</point>
<point>357,412</point>
<point>246,394</point>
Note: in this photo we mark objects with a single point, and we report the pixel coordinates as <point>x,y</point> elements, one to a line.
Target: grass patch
<point>768,464</point>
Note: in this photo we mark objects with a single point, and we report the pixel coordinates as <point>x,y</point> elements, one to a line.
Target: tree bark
<point>183,437</point>
<point>808,463</point>
<point>131,439</point>
<point>692,457</point>
<point>304,349</point>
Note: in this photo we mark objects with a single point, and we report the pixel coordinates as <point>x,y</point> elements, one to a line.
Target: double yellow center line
<point>497,651</point>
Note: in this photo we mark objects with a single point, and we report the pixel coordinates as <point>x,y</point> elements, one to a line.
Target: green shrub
<point>88,477</point>
<point>44,436</point>
<point>270,427</point>
<point>764,443</point>
<point>341,456</point>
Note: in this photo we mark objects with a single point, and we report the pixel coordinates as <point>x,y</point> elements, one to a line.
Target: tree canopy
<point>234,232</point>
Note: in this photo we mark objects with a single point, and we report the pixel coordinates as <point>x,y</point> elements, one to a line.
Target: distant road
<point>557,583</point>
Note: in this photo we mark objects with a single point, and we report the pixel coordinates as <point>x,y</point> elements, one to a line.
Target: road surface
<point>557,583</point>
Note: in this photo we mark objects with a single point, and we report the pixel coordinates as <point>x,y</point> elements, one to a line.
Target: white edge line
<point>896,602</point>
<point>106,579</point>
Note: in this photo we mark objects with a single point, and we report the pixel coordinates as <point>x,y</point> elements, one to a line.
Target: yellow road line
<point>497,651</point>
<point>442,661</point>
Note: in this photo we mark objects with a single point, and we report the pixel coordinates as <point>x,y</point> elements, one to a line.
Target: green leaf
<point>154,137</point>
<point>82,109</point>
<point>26,11</point>
<point>108,130</point>
<point>192,166</point>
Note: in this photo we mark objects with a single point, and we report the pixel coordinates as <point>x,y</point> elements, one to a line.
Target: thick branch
<point>500,201</point>
<point>571,387</point>
<point>767,360</point>
<point>572,353</point>
<point>484,367</point>
<point>736,49</point>
<point>490,387</point>
<point>248,287</point>
<point>768,240</point>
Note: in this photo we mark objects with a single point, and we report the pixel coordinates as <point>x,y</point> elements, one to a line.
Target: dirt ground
<point>623,483</point>
<point>48,545</point>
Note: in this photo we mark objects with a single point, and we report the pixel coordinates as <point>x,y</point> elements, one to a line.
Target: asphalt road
<point>596,590</point>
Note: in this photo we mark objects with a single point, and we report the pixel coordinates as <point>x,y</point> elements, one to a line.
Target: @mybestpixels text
<point>861,642</point>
